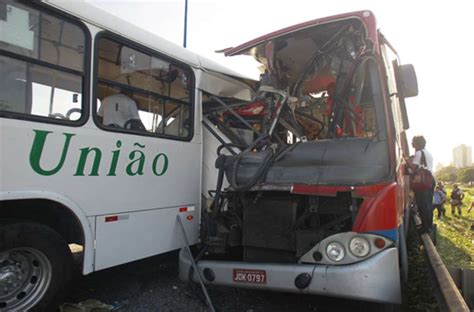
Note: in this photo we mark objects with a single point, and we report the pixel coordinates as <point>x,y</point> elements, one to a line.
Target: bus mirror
<point>409,81</point>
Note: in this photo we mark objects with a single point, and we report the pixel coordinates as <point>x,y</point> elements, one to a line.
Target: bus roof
<point>366,16</point>
<point>100,18</point>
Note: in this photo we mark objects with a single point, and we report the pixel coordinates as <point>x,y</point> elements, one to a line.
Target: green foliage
<point>455,234</point>
<point>448,174</point>
<point>466,175</point>
<point>452,174</point>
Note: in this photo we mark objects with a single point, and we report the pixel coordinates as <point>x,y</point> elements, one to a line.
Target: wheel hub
<point>12,276</point>
<point>25,274</point>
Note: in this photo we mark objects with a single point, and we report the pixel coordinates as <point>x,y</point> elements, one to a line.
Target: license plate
<point>250,276</point>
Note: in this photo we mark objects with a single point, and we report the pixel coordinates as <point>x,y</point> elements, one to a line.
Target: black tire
<point>26,241</point>
<point>403,256</point>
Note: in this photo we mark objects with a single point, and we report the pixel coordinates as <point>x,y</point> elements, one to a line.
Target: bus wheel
<point>35,266</point>
<point>403,255</point>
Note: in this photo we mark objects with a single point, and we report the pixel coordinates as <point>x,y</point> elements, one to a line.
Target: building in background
<point>462,156</point>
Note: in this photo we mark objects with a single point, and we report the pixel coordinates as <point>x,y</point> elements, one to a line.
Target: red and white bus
<point>312,191</point>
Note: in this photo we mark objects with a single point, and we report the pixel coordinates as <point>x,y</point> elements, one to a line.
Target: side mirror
<point>408,80</point>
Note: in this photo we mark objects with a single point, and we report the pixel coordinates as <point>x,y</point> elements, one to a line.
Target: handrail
<point>452,298</point>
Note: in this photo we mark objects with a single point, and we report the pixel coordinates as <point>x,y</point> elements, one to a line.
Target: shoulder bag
<point>421,179</point>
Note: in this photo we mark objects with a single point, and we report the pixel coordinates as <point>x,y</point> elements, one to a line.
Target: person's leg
<point>430,203</point>
<point>460,209</point>
<point>424,209</point>
<point>429,211</point>
<point>438,208</point>
<point>453,210</point>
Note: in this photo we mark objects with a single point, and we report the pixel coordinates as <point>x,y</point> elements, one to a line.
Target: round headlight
<point>359,247</point>
<point>335,251</point>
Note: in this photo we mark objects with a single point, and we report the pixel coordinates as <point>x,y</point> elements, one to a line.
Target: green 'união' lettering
<point>140,161</point>
<point>114,162</point>
<point>164,167</point>
<point>83,158</point>
<point>37,151</point>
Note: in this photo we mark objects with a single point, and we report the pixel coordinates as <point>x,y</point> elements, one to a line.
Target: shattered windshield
<point>317,83</point>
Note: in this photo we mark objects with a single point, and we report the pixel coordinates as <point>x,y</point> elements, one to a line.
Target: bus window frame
<point>85,75</point>
<point>152,53</point>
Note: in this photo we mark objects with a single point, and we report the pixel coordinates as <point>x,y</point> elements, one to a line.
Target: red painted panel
<point>379,212</point>
<point>330,190</point>
<point>318,189</point>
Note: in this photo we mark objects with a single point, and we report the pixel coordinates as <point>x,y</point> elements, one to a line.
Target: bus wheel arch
<point>47,212</point>
<point>59,214</point>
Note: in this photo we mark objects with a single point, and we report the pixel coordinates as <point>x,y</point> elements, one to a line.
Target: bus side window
<point>160,90</point>
<point>42,69</point>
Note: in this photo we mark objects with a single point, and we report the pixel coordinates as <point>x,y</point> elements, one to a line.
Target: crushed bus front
<point>310,191</point>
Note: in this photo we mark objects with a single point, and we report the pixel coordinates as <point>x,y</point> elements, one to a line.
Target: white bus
<point>101,144</point>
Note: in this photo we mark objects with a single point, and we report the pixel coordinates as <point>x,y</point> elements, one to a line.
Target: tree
<point>466,175</point>
<point>448,174</point>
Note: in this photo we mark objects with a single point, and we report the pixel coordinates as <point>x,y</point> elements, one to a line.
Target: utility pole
<point>185,22</point>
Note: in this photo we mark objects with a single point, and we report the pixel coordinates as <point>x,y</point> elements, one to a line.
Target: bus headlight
<point>335,251</point>
<point>359,247</point>
<point>346,248</point>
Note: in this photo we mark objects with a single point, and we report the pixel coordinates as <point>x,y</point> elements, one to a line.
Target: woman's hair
<point>419,140</point>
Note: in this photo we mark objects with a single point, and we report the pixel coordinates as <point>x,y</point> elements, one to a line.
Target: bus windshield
<point>320,84</point>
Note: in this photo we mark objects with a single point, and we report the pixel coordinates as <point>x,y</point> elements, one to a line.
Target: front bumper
<point>374,279</point>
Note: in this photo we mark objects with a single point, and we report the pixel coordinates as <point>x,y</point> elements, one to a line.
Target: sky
<point>436,37</point>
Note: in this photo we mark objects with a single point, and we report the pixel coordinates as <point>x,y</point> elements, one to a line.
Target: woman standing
<point>424,199</point>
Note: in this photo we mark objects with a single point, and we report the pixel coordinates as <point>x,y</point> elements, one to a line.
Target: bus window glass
<point>29,32</point>
<point>157,89</point>
<point>41,67</point>
<point>389,57</point>
<point>13,85</point>
<point>176,122</point>
<point>39,91</point>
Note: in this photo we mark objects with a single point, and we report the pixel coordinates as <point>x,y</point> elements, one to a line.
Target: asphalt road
<point>153,285</point>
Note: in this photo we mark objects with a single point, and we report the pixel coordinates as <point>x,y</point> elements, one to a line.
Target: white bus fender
<point>88,264</point>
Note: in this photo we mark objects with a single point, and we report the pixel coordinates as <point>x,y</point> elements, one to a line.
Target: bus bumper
<point>374,279</point>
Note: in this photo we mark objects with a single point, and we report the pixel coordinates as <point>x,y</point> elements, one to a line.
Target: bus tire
<point>403,256</point>
<point>35,267</point>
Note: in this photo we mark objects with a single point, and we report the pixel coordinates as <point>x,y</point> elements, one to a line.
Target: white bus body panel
<point>150,201</point>
<point>142,234</point>
<point>179,186</point>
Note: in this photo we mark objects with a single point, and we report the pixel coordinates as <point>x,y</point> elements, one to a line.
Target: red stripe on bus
<point>111,218</point>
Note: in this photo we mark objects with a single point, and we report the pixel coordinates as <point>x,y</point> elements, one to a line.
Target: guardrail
<point>449,297</point>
